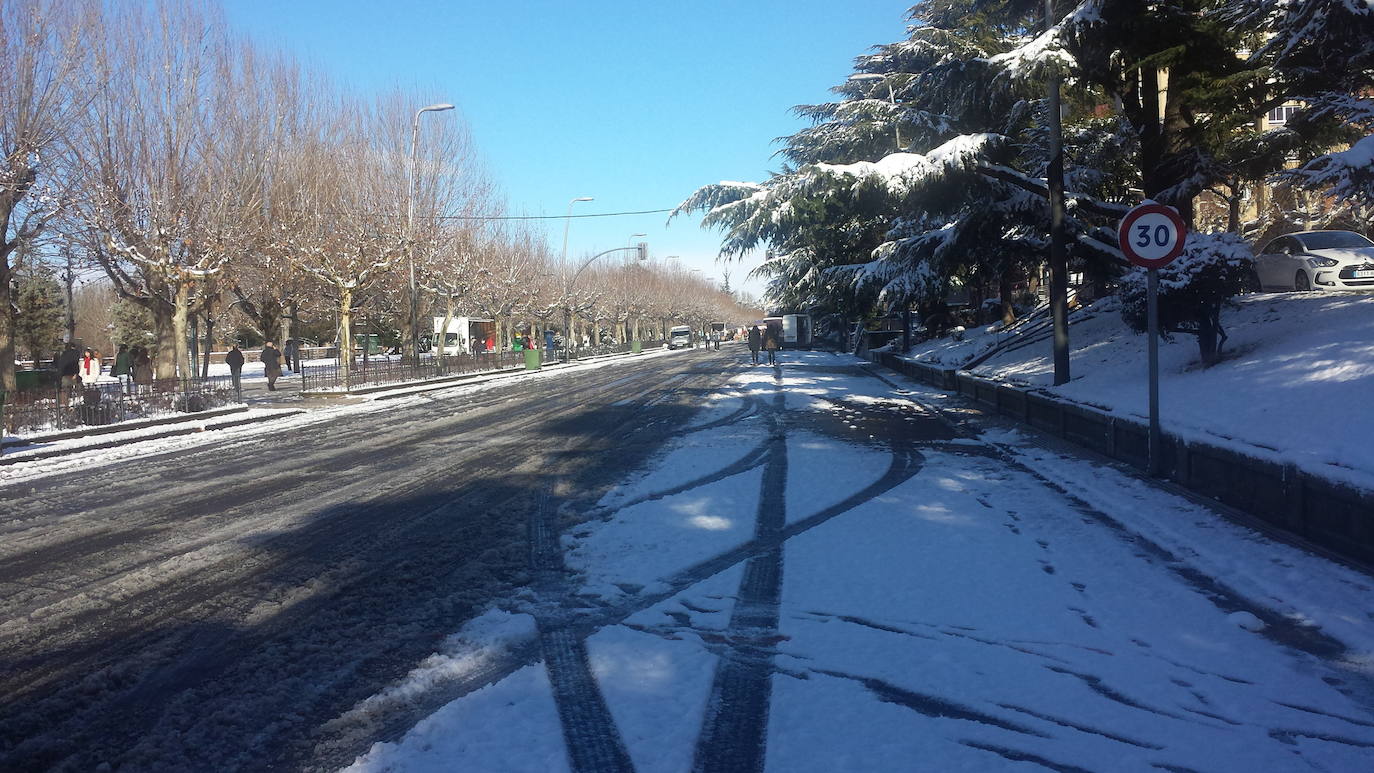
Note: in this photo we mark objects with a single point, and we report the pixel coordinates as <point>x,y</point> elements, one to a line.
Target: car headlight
<point>1322,262</point>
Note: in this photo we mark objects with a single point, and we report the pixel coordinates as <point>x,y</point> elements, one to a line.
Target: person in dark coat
<point>123,367</point>
<point>68,365</point>
<point>755,342</point>
<point>271,364</point>
<point>142,368</point>
<point>292,352</point>
<point>234,359</point>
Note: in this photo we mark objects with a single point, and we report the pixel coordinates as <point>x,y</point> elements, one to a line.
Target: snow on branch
<point>1039,187</point>
<point>1047,52</point>
<point>898,173</point>
<point>1347,175</point>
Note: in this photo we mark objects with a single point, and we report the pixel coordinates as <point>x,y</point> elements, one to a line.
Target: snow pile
<point>1295,378</point>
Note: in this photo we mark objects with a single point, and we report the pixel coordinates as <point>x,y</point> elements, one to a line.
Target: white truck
<point>680,337</point>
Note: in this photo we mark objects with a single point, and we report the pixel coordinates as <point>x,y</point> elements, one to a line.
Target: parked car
<point>1316,260</point>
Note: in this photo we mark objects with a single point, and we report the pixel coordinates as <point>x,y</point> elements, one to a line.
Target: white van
<point>680,336</point>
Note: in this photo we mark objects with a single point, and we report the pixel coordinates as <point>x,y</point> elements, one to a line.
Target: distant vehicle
<point>796,331</point>
<point>1316,260</point>
<point>680,336</point>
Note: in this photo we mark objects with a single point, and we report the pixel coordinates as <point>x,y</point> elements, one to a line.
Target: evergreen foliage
<point>40,310</point>
<point>929,172</point>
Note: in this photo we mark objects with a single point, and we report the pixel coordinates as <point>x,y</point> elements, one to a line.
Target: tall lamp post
<point>891,97</point>
<point>572,281</point>
<point>410,228</point>
<point>567,302</point>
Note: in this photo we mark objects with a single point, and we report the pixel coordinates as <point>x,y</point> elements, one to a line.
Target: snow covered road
<point>821,575</point>
<point>211,603</point>
<point>670,563</point>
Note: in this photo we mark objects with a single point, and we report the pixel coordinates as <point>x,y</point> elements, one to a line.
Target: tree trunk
<point>345,334</point>
<point>164,339</point>
<point>448,322</point>
<point>7,382</point>
<point>180,330</point>
<point>1005,282</point>
<point>1207,333</point>
<point>194,341</point>
<point>209,341</point>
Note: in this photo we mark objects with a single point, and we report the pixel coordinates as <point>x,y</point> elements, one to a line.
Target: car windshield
<point>1327,240</point>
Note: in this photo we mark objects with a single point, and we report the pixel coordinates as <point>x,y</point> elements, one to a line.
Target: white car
<point>1317,260</point>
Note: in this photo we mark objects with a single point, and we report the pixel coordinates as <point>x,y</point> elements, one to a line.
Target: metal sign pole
<point>1152,322</point>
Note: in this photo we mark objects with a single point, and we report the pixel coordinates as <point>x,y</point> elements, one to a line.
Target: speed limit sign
<point>1152,235</point>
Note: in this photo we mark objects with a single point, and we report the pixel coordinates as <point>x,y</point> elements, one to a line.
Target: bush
<point>1192,290</point>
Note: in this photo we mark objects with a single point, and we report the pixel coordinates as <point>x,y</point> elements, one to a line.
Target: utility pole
<point>1059,262</point>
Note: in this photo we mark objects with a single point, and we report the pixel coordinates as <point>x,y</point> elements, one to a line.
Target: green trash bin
<point>533,359</point>
<point>636,347</point>
<point>34,379</point>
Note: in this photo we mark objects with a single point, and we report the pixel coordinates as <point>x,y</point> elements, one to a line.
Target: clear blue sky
<point>634,102</point>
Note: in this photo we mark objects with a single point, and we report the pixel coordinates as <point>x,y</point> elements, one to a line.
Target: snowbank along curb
<point>122,441</point>
<point>1333,514</point>
<point>107,429</point>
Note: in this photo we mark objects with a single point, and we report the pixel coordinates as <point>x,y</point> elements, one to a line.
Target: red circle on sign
<point>1150,237</point>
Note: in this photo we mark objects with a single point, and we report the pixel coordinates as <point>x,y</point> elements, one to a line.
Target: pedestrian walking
<point>234,359</point>
<point>271,364</point>
<point>68,367</point>
<point>755,342</point>
<point>90,367</point>
<point>142,369</point>
<point>771,344</point>
<point>549,342</point>
<point>123,367</point>
<point>291,350</point>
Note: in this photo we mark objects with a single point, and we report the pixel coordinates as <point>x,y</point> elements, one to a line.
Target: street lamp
<point>572,282</point>
<point>567,308</point>
<point>567,221</point>
<point>891,97</point>
<point>410,228</point>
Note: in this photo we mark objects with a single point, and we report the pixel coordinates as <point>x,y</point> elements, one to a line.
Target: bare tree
<point>44,86</point>
<point>168,164</point>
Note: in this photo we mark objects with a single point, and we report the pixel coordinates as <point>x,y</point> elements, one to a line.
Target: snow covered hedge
<point>1192,289</point>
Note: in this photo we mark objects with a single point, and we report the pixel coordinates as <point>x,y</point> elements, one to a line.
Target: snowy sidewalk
<point>823,576</point>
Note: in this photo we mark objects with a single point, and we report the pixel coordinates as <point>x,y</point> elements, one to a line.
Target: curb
<point>109,429</point>
<point>1335,515</point>
<point>38,455</point>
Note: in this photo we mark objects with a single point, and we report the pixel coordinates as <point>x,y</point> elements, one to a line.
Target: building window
<point>1280,115</point>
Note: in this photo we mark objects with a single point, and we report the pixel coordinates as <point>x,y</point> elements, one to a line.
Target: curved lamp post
<point>572,282</point>
<point>410,229</point>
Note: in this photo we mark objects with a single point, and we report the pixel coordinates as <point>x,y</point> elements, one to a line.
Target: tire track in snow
<point>734,730</point>
<point>593,741</point>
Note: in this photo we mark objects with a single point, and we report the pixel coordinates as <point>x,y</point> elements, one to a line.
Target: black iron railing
<point>600,350</point>
<point>377,372</point>
<point>58,408</point>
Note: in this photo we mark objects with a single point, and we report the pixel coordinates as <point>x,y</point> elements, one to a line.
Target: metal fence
<point>582,352</point>
<point>381,371</point>
<point>57,408</point>
<point>376,372</point>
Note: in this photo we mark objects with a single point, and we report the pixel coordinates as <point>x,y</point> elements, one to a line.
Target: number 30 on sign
<point>1152,235</point>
